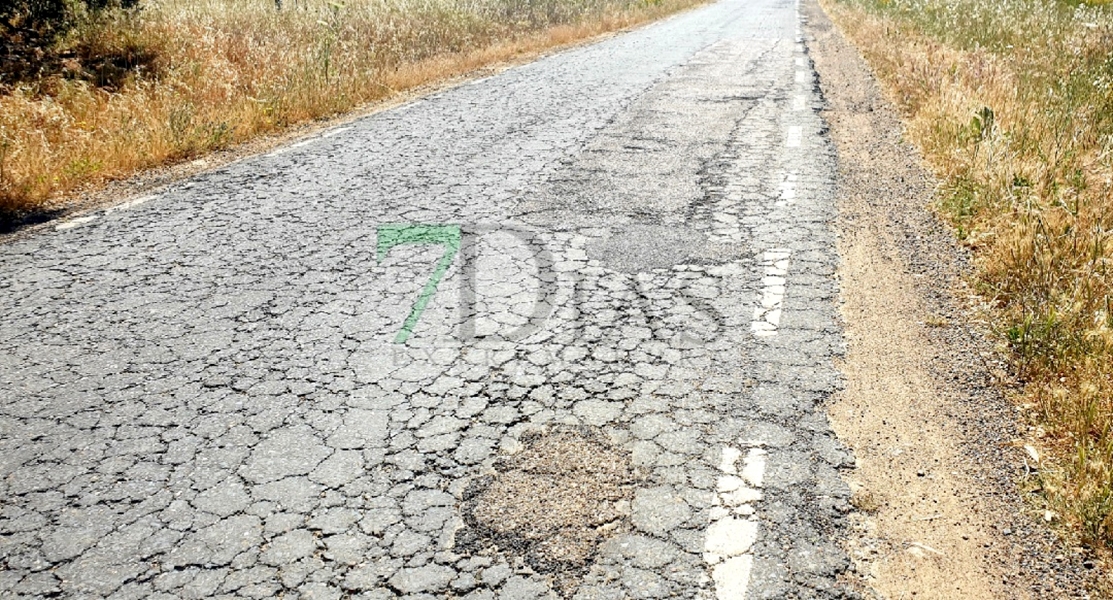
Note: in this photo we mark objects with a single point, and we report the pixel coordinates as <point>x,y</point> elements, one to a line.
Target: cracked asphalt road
<point>613,391</point>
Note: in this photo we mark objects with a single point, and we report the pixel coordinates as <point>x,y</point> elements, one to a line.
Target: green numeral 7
<point>390,236</point>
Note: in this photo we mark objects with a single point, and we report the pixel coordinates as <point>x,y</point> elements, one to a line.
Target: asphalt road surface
<point>561,332</point>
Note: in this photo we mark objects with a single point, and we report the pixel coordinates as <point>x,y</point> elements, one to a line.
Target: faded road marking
<point>131,203</point>
<point>795,136</point>
<point>734,525</point>
<point>74,223</point>
<point>767,317</point>
<point>333,132</point>
<point>788,189</point>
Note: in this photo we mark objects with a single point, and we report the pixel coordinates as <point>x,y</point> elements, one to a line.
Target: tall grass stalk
<point>182,77</point>
<point>1011,103</point>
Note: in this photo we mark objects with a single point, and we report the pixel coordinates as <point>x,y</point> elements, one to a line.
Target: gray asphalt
<point>565,331</point>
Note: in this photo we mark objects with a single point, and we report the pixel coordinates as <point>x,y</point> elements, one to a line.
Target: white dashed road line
<point>795,136</point>
<point>734,526</point>
<point>767,317</point>
<point>788,189</point>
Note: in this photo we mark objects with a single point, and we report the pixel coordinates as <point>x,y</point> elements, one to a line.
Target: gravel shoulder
<point>941,512</point>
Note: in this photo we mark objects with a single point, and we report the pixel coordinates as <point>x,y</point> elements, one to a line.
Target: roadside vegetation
<point>103,89</point>
<point>1011,104</point>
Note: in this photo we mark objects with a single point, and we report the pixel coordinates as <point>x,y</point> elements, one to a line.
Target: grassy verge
<point>1011,103</point>
<point>181,77</point>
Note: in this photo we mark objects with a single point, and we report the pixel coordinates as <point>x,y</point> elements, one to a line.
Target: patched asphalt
<point>325,372</point>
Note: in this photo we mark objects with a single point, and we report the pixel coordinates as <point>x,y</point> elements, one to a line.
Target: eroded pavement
<point>561,332</point>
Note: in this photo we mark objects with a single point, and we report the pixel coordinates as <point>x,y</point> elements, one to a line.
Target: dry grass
<point>1011,103</point>
<point>182,77</point>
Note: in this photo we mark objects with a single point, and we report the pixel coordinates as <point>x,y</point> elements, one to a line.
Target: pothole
<point>553,502</point>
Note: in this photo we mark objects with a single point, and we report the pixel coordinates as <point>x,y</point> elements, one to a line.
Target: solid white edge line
<point>74,222</point>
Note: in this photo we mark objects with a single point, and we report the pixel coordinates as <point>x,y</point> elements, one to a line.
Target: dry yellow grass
<point>182,77</point>
<point>1011,103</point>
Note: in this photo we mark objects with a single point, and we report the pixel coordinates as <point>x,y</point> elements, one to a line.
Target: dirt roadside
<point>937,444</point>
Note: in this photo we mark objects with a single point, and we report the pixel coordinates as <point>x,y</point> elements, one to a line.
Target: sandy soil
<point>941,515</point>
